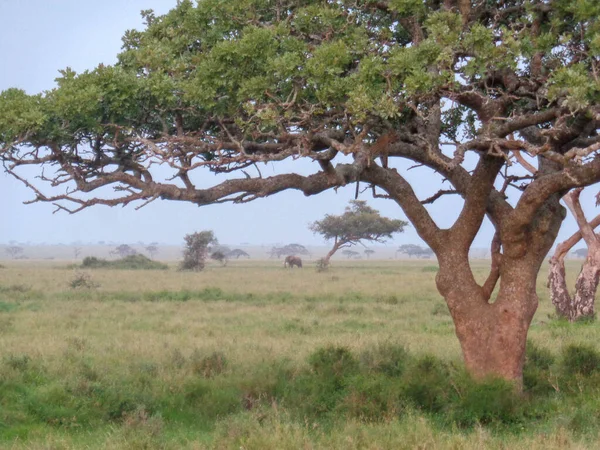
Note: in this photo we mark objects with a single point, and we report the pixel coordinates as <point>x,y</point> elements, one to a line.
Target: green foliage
<point>131,262</point>
<point>387,358</point>
<point>490,401</point>
<point>581,359</point>
<point>427,384</point>
<point>539,357</point>
<point>196,250</point>
<point>333,362</point>
<point>346,62</point>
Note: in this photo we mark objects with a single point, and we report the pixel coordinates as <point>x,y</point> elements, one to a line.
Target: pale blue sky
<point>40,37</point>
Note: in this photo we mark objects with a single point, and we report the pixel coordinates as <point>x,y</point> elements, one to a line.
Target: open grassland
<point>257,357</point>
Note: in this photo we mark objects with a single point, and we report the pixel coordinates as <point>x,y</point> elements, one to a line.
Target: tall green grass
<point>244,358</point>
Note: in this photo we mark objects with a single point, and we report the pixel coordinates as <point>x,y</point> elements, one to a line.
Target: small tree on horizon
<point>287,250</point>
<point>415,250</point>
<point>196,250</point>
<point>351,254</point>
<point>369,252</point>
<point>236,253</point>
<point>152,250</point>
<point>14,251</point>
<point>123,250</point>
<point>359,223</point>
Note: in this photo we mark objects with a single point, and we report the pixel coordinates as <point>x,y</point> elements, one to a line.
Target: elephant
<point>291,261</point>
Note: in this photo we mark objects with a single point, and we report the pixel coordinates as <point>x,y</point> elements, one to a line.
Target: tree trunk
<point>586,286</point>
<point>559,292</point>
<point>581,304</point>
<point>493,336</point>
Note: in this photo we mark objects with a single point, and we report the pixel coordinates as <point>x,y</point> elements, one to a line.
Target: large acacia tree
<point>451,85</point>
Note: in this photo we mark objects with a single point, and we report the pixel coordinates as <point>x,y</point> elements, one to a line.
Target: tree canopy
<point>228,84</point>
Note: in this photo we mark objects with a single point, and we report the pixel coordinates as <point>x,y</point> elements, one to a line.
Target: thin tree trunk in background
<point>336,247</point>
<point>581,304</point>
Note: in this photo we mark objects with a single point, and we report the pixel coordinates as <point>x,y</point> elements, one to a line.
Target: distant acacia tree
<point>289,250</point>
<point>236,253</point>
<point>359,223</point>
<point>152,249</point>
<point>581,252</point>
<point>219,256</point>
<point>415,250</point>
<point>351,254</point>
<point>196,250</point>
<point>123,250</point>
<point>76,252</point>
<point>14,251</point>
<point>369,252</point>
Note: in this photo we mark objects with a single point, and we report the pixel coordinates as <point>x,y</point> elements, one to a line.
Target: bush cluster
<point>131,262</point>
<point>379,384</point>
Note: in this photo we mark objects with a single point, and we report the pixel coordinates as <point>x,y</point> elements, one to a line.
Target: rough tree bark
<point>493,334</point>
<point>580,305</point>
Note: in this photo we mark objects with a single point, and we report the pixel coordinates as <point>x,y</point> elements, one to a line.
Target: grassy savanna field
<point>254,356</point>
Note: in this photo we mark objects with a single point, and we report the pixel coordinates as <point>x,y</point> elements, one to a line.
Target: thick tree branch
<point>402,193</point>
<point>564,247</point>
<point>547,185</point>
<point>585,228</point>
<point>477,196</point>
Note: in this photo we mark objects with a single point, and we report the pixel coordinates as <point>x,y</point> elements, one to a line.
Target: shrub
<point>427,384</point>
<point>91,262</point>
<point>536,372</point>
<point>83,280</point>
<point>493,400</point>
<point>539,357</point>
<point>17,362</point>
<point>131,262</point>
<point>581,359</point>
<point>333,362</point>
<point>322,265</point>
<point>371,398</point>
<point>389,359</point>
<point>208,366</point>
